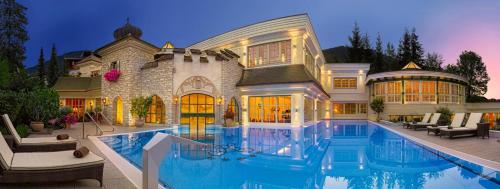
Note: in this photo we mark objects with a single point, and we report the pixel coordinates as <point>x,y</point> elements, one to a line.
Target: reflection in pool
<point>330,154</point>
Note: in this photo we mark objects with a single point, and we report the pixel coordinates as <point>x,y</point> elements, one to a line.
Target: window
<point>350,108</point>
<point>95,73</point>
<point>156,112</point>
<point>345,83</point>
<point>197,106</point>
<point>379,90</point>
<point>78,105</point>
<point>114,65</point>
<point>412,89</point>
<point>269,53</point>
<point>450,92</point>
<point>394,91</point>
<point>270,109</point>
<point>428,91</point>
<point>233,107</point>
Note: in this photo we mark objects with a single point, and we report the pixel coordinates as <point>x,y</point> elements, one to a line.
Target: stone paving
<point>113,179</point>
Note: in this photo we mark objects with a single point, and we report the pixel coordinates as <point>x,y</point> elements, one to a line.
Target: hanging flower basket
<point>112,75</point>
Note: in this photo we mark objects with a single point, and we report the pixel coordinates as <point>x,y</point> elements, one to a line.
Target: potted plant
<point>445,118</point>
<point>41,105</point>
<point>67,118</point>
<point>228,118</point>
<point>377,105</point>
<point>139,109</point>
<point>112,75</point>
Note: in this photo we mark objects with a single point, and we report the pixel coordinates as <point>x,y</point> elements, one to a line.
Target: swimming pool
<point>330,154</point>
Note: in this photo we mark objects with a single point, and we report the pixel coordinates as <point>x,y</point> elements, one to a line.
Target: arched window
<point>233,106</point>
<point>156,112</point>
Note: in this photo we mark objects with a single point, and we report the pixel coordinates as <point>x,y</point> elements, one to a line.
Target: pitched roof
<point>77,83</point>
<point>411,66</point>
<point>278,75</point>
<point>123,39</point>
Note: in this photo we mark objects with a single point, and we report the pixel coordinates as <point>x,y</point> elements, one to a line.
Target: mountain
<point>62,60</point>
<point>336,54</point>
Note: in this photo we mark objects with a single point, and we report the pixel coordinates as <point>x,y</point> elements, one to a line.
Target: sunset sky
<point>447,27</point>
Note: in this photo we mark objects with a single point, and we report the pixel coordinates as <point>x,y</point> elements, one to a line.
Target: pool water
<point>330,154</point>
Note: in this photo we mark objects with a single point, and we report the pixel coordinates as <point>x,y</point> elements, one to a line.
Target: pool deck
<point>473,147</point>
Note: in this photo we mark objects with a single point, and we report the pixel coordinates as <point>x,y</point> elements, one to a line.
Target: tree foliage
<point>404,49</point>
<point>377,105</point>
<point>13,34</point>
<point>53,68</point>
<point>4,73</point>
<point>471,66</point>
<point>355,50</point>
<point>433,62</point>
<point>379,61</point>
<point>41,67</point>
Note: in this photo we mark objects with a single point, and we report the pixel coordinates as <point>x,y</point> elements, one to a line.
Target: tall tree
<point>452,68</point>
<point>366,49</point>
<point>4,73</point>
<point>13,34</point>
<point>471,67</point>
<point>355,51</point>
<point>433,62</point>
<point>417,52</point>
<point>53,69</point>
<point>41,67</point>
<point>378,65</point>
<point>391,61</point>
<point>404,49</point>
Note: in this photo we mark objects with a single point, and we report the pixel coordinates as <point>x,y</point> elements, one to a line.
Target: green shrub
<point>65,110</point>
<point>377,105</point>
<point>11,103</point>
<point>445,118</point>
<point>140,106</point>
<point>22,130</point>
<point>42,104</point>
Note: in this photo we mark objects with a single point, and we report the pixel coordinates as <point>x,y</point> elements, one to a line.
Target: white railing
<point>153,153</point>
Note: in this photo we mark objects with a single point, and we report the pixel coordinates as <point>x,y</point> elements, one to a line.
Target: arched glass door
<point>197,111</point>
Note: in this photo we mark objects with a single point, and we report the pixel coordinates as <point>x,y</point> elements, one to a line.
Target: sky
<point>447,27</point>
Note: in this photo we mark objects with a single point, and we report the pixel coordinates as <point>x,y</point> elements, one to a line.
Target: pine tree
<point>417,52</point>
<point>366,49</point>
<point>471,67</point>
<point>41,67</point>
<point>378,66</point>
<point>433,62</point>
<point>4,73</point>
<point>391,62</point>
<point>13,34</point>
<point>404,49</point>
<point>355,51</point>
<point>53,69</point>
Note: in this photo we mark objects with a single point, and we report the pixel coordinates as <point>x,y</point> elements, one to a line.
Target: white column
<point>298,109</point>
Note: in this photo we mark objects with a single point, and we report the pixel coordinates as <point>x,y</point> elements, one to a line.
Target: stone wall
<point>159,81</point>
<point>231,74</point>
<point>130,58</point>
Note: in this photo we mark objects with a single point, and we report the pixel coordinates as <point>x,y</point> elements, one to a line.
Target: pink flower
<point>112,75</point>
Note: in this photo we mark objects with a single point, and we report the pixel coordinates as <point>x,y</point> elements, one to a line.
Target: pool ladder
<point>98,130</point>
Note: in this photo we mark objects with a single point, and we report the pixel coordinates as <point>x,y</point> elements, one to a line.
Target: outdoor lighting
<point>219,100</point>
<point>176,99</point>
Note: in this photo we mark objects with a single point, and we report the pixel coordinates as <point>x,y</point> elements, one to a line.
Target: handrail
<point>98,129</point>
<point>153,154</point>
<point>107,120</point>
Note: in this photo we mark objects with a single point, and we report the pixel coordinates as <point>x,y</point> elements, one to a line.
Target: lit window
<point>428,91</point>
<point>393,91</point>
<point>350,108</point>
<point>345,83</point>
<point>412,89</point>
<point>269,53</point>
<point>156,112</point>
<point>270,109</point>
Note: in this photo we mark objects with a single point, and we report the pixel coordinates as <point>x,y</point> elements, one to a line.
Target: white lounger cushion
<point>31,141</point>
<point>52,160</point>
<point>473,120</point>
<point>435,118</point>
<point>456,123</point>
<point>426,118</point>
<point>5,153</point>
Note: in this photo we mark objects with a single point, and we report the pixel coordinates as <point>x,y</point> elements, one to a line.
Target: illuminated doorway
<point>119,111</point>
<point>197,111</point>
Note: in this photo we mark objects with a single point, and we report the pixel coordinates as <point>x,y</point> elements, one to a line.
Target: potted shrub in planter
<point>67,118</point>
<point>41,104</point>
<point>228,118</point>
<point>139,109</point>
<point>377,106</point>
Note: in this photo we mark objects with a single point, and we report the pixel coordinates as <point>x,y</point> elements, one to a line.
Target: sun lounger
<point>457,121</point>
<point>425,120</point>
<point>432,122</point>
<point>41,144</point>
<point>469,129</point>
<point>38,167</point>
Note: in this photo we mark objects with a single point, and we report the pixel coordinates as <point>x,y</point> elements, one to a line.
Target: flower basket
<point>112,75</point>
